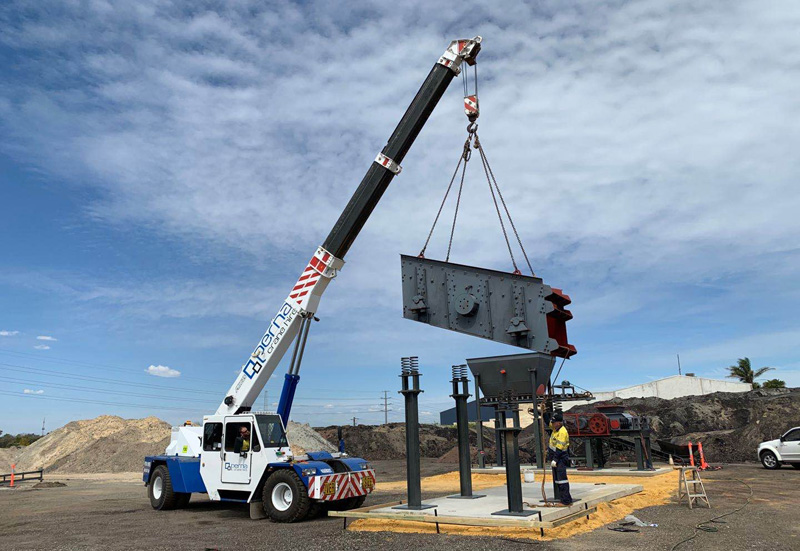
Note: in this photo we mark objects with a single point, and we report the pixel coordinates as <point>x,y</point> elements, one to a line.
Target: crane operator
<point>558,454</point>
<point>244,437</point>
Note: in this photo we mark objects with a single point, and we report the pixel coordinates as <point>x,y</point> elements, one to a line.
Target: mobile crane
<point>243,455</point>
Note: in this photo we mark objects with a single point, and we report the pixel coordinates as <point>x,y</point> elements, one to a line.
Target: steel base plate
<point>474,496</point>
<point>507,513</point>
<point>407,507</point>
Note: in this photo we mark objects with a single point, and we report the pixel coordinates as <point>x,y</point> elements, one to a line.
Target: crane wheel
<point>159,489</point>
<point>286,497</point>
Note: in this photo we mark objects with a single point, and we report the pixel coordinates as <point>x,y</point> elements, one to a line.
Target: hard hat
<point>557,417</point>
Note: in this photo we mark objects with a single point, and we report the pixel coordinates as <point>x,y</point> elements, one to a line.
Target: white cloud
<point>42,347</point>
<point>162,371</point>
<point>5,333</point>
<point>644,148</point>
<point>46,338</point>
<point>30,391</point>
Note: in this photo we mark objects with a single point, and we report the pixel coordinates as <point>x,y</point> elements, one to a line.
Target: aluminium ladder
<point>692,487</point>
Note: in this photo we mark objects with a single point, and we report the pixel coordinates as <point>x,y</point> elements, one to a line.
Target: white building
<point>668,388</point>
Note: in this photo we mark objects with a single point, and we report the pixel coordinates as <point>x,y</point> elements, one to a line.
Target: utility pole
<point>354,421</point>
<point>266,400</point>
<point>679,364</point>
<point>43,420</point>
<point>385,407</point>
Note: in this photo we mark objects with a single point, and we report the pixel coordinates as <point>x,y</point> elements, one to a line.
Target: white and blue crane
<point>243,455</point>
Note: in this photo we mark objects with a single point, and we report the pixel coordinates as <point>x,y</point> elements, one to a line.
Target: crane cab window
<point>212,437</point>
<point>271,430</point>
<point>238,437</point>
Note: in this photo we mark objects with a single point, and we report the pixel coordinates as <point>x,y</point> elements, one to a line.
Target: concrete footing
<point>489,511</point>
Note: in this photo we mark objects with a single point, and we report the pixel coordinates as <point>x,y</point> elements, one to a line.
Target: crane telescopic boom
<point>301,304</point>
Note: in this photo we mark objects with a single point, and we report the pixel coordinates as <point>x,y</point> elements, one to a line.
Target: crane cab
<point>247,458</point>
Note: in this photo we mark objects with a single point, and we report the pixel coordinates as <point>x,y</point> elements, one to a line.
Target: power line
<point>50,359</point>
<point>93,389</point>
<point>27,369</point>
<point>96,402</point>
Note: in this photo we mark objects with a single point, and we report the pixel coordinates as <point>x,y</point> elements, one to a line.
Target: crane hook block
<point>471,108</point>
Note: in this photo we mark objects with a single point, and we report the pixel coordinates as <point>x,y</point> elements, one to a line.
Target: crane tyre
<point>286,497</point>
<point>159,489</point>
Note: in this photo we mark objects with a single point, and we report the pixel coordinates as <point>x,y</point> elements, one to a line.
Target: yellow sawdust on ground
<point>658,490</point>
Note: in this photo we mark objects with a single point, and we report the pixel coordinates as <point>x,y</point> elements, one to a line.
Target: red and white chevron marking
<point>331,487</point>
<point>309,277</point>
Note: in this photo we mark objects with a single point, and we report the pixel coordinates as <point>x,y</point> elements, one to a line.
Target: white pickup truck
<point>784,450</point>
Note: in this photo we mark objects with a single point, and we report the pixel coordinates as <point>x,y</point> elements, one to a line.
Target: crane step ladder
<point>690,486</point>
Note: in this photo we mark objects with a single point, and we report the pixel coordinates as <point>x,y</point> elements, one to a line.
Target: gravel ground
<point>114,513</point>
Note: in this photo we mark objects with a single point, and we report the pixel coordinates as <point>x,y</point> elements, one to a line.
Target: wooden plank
<point>464,521</point>
<point>458,520</point>
<point>569,518</point>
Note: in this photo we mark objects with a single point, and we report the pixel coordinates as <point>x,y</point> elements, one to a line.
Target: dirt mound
<point>378,442</point>
<point>730,425</point>
<point>110,444</point>
<point>49,484</point>
<point>104,444</point>
<point>389,441</point>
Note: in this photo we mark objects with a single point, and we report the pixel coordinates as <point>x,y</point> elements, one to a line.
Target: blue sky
<point>167,169</point>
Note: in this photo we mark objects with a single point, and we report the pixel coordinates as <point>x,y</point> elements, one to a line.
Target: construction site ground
<point>111,511</point>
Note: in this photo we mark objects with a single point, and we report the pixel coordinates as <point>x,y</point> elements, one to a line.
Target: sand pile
<point>7,457</point>
<point>303,438</point>
<point>104,444</point>
<point>110,444</point>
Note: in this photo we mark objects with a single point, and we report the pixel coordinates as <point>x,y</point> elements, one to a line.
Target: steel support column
<point>460,395</point>
<point>481,458</point>
<point>511,453</point>
<point>537,435</point>
<point>410,391</point>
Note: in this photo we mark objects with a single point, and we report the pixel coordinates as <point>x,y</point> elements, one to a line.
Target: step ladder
<point>691,487</point>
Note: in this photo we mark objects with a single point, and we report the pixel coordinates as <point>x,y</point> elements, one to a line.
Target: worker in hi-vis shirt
<point>558,455</point>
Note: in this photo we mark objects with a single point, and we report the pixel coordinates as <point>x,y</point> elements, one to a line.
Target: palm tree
<point>744,372</point>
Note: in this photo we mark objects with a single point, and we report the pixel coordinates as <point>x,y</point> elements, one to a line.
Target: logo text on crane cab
<point>270,340</point>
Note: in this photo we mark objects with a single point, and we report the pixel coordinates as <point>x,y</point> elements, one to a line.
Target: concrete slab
<point>611,471</point>
<point>479,512</point>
